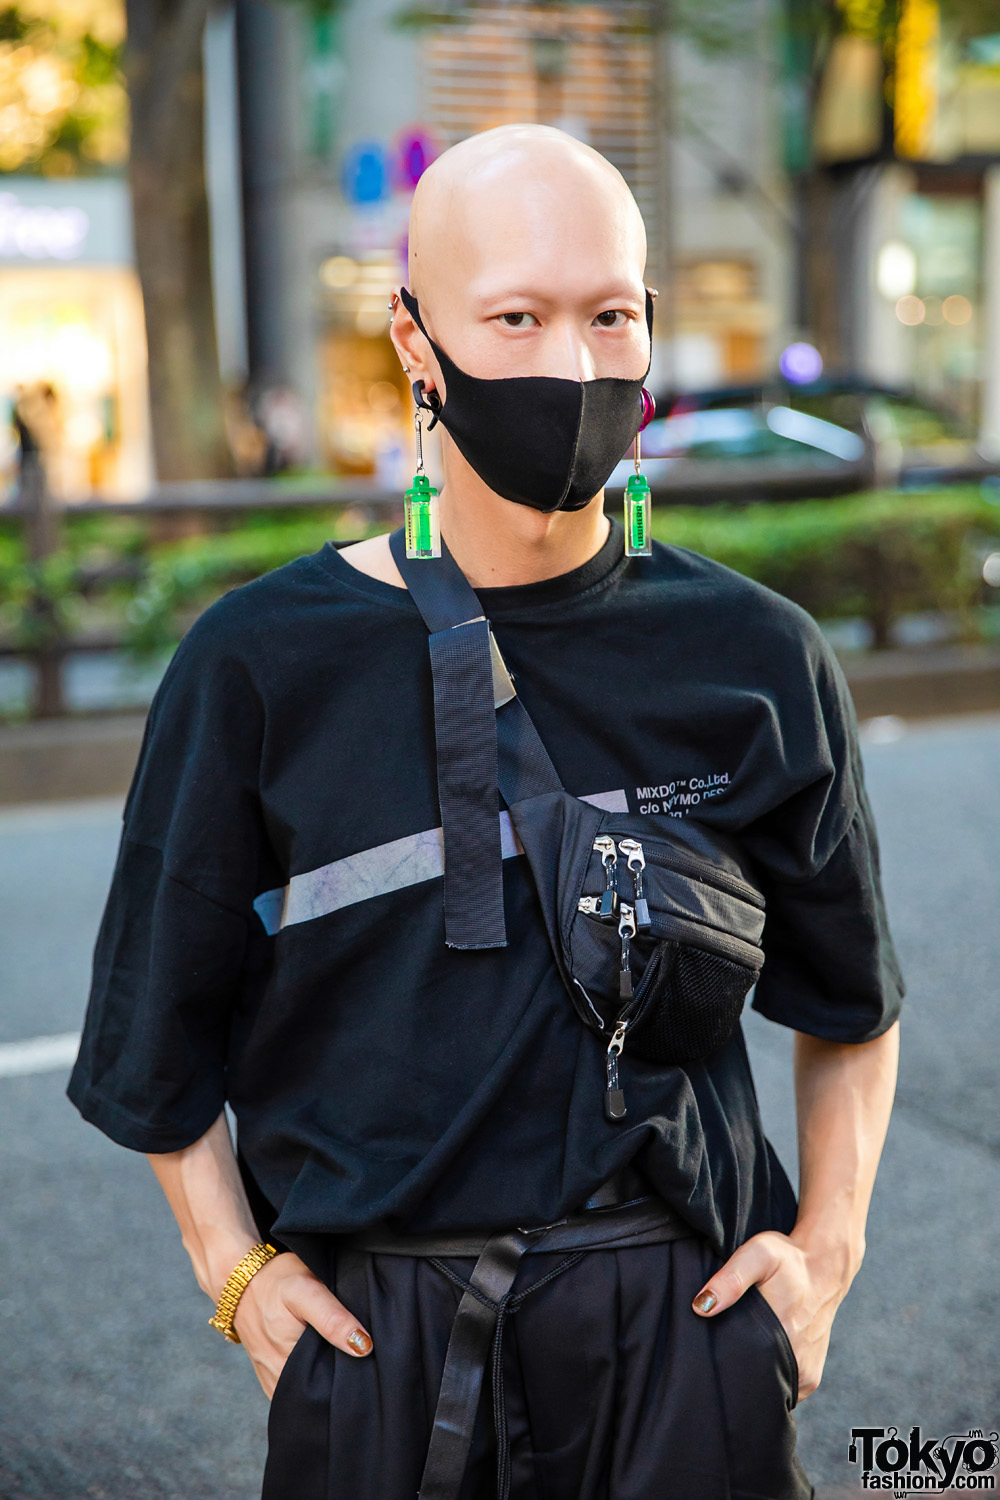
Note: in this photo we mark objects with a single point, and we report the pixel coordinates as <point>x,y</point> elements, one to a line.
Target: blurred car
<point>785,442</point>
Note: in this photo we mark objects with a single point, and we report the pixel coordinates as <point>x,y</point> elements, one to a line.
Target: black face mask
<point>536,439</point>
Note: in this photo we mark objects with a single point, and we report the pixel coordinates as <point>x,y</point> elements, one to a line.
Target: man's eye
<point>518,319</point>
<point>613,318</point>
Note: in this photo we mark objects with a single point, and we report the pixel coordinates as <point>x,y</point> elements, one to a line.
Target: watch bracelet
<point>237,1283</point>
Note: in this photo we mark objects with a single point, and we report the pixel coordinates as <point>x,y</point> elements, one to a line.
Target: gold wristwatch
<point>234,1288</point>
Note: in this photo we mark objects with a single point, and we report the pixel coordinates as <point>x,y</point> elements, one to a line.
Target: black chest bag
<point>655,921</point>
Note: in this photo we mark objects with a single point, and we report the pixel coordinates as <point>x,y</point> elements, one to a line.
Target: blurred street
<point>115,1388</point>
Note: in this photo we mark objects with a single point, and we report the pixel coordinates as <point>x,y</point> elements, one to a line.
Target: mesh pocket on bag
<point>694,1002</point>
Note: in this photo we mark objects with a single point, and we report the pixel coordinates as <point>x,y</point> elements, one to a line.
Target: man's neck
<point>499,544</point>
<point>495,542</point>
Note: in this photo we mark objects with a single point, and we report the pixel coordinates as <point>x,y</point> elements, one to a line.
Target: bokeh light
<point>801,363</point>
<point>956,309</point>
<point>896,270</point>
<point>339,271</point>
<point>911,311</point>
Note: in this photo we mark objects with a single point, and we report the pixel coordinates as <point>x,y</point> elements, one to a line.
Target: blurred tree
<point>62,96</point>
<point>170,207</point>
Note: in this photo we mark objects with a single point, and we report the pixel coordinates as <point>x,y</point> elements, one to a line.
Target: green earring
<point>423,530</point>
<point>638,542</point>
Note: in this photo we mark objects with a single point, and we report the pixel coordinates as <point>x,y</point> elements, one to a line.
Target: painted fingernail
<point>705,1301</point>
<point>359,1341</point>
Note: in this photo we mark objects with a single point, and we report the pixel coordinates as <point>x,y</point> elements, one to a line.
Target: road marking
<point>39,1054</point>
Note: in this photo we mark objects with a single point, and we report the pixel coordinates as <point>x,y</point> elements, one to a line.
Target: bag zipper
<point>614,1097</point>
<point>633,851</point>
<point>608,906</point>
<point>614,1094</point>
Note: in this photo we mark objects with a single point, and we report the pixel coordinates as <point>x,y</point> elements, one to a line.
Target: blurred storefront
<point>72,336</point>
<point>72,354</point>
<point>926,284</point>
<point>365,402</point>
<point>901,154</point>
<point>722,323</point>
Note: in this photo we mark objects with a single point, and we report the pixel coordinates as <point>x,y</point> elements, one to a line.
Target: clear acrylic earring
<point>423,529</point>
<point>638,541</point>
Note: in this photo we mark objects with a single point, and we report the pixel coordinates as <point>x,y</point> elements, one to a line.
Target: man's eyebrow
<point>617,292</point>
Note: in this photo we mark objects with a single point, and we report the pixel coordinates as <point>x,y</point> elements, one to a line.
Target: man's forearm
<point>203,1186</point>
<point>844,1094</point>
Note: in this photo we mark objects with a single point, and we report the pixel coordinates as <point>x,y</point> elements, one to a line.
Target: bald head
<point>519,238</point>
<point>519,192</point>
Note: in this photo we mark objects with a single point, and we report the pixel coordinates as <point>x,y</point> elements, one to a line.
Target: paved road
<point>114,1388</point>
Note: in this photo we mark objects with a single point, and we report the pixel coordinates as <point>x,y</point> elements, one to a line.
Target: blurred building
<point>318,124</point>
<point>834,182</point>
<point>895,140</point>
<point>340,112</point>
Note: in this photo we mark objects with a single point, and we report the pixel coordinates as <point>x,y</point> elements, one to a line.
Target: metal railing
<point>44,642</point>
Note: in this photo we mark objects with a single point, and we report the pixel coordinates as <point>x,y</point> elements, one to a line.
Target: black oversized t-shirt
<point>274,935</point>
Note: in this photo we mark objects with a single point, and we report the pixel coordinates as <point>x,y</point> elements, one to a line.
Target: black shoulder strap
<point>478,747</point>
<point>437,585</point>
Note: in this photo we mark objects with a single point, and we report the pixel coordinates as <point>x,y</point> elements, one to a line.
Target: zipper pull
<point>637,863</point>
<point>614,1097</point>
<point>591,905</point>
<point>626,931</point>
<point>605,846</point>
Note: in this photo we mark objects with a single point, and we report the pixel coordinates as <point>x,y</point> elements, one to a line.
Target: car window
<point>738,433</point>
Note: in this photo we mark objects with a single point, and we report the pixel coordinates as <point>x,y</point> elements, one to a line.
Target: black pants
<point>615,1388</point>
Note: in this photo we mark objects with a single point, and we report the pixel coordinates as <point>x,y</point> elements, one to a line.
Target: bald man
<point>649,1300</point>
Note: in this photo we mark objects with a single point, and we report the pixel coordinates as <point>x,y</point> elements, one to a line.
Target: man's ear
<point>415,353</point>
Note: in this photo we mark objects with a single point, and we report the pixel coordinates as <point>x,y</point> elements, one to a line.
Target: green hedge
<point>112,573</point>
<point>875,556</point>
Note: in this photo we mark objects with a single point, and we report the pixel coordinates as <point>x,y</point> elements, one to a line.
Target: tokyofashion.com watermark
<point>920,1466</point>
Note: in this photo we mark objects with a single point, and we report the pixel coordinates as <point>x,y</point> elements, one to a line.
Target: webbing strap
<point>488,1298</point>
<point>465,1364</point>
<point>465,734</point>
<point>478,747</point>
<point>523,763</point>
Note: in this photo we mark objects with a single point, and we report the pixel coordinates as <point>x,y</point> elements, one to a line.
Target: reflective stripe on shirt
<point>377,871</point>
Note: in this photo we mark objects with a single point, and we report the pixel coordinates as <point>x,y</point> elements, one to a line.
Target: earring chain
<point>419,425</point>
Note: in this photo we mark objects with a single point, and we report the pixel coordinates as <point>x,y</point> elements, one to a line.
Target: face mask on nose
<point>536,439</point>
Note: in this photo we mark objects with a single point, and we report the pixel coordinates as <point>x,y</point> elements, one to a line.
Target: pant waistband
<point>477,1333</point>
<point>646,1221</point>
